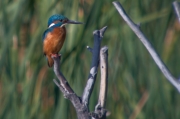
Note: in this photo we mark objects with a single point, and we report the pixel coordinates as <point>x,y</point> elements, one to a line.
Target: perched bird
<point>54,36</point>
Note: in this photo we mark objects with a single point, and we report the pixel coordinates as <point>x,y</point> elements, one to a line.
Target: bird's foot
<point>59,55</point>
<point>56,55</point>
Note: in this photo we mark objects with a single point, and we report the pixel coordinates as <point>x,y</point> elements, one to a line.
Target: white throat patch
<point>51,25</point>
<point>63,25</point>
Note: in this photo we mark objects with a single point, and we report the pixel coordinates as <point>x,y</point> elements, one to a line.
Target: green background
<point>136,87</point>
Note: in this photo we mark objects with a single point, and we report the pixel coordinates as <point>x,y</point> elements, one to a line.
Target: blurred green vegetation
<point>137,88</point>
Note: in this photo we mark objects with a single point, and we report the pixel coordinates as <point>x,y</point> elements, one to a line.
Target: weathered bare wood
<point>104,76</point>
<point>81,105</point>
<point>148,46</point>
<point>81,110</point>
<point>176,6</point>
<point>100,110</point>
<point>98,35</point>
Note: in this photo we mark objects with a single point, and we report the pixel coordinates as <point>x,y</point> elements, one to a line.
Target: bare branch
<point>81,109</point>
<point>81,106</point>
<point>100,110</point>
<point>148,46</point>
<point>104,76</point>
<point>98,34</point>
<point>63,81</point>
<point>176,6</point>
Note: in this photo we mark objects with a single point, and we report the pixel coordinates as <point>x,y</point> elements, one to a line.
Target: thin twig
<point>98,34</point>
<point>176,6</point>
<point>148,46</point>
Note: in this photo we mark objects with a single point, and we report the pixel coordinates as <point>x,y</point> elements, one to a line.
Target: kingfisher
<point>54,36</point>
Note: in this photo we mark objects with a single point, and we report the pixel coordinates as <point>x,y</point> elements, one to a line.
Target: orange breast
<point>54,41</point>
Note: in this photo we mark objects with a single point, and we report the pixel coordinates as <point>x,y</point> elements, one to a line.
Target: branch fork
<point>81,104</point>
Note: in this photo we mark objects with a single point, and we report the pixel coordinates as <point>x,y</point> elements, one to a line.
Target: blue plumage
<point>54,36</point>
<point>51,29</point>
<point>56,21</point>
<point>56,17</point>
<point>45,33</point>
<point>51,20</point>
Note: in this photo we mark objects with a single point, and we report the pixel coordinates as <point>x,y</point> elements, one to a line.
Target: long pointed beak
<point>73,22</point>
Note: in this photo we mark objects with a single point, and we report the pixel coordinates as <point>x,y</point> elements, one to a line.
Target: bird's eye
<point>65,20</point>
<point>61,20</point>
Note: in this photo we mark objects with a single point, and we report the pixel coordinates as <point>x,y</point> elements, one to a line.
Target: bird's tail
<point>50,61</point>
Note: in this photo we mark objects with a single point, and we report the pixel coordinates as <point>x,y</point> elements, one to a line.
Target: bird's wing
<point>45,33</point>
<point>50,29</point>
<point>44,36</point>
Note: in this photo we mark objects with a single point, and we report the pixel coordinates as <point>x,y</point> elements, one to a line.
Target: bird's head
<point>60,20</point>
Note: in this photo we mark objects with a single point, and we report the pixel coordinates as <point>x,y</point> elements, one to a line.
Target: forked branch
<point>81,105</point>
<point>82,111</point>
<point>100,111</point>
<point>98,35</point>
